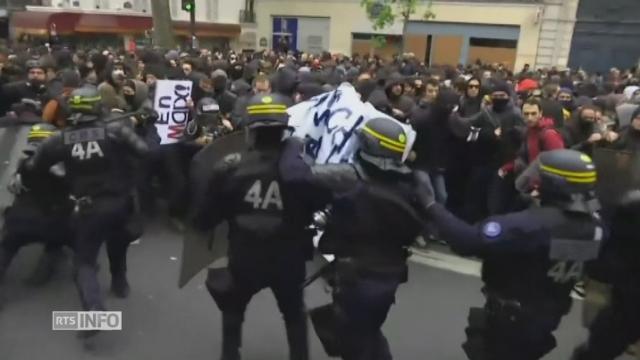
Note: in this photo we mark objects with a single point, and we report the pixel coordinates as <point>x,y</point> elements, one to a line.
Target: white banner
<point>170,102</point>
<point>329,122</point>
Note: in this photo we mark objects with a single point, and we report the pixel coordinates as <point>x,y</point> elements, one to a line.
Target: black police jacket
<point>536,253</point>
<point>95,157</point>
<point>374,215</point>
<point>264,214</point>
<point>48,191</point>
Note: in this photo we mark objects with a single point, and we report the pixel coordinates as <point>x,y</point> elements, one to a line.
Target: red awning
<point>68,23</point>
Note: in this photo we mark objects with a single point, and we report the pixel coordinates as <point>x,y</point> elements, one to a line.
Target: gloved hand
<point>15,185</point>
<point>423,188</point>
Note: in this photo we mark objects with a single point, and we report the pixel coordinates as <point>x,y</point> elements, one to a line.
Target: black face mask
<point>499,104</point>
<point>567,104</point>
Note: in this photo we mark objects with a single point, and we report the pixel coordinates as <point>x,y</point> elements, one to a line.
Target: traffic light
<point>189,5</point>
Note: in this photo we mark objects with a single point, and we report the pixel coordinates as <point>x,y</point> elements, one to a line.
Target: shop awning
<point>68,23</point>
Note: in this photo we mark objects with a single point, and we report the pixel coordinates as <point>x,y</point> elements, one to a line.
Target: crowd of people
<point>480,129</point>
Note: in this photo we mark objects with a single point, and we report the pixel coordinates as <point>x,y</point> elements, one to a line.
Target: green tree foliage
<point>384,13</point>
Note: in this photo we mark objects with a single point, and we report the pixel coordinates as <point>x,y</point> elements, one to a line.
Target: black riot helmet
<point>568,178</point>
<point>267,111</point>
<point>383,143</point>
<point>208,111</point>
<point>38,134</point>
<point>85,104</point>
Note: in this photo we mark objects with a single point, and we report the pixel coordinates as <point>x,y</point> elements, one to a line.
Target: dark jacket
<point>488,149</point>
<point>433,138</point>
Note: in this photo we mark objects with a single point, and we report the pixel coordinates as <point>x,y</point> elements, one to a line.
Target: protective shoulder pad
<point>337,177</point>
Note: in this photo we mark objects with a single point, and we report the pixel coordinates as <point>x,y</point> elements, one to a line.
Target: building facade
<point>128,22</point>
<point>606,35</point>
<point>513,32</point>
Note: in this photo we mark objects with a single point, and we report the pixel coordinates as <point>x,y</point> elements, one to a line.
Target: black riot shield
<point>618,172</point>
<point>13,141</point>
<point>199,248</point>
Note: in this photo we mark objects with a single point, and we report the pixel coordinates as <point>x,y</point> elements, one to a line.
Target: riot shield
<point>618,172</point>
<point>13,141</point>
<point>201,249</point>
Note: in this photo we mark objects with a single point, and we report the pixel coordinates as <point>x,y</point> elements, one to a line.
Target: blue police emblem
<point>492,229</point>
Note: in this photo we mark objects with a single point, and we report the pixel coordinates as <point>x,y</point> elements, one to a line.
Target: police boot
<point>46,267</point>
<point>231,336</point>
<point>298,340</point>
<point>120,286</point>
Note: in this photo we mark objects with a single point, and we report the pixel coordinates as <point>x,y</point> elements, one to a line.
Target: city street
<point>162,322</point>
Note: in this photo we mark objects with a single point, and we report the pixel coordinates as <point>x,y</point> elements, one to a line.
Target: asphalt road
<point>164,323</point>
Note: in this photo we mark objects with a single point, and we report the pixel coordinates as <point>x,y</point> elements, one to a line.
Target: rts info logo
<point>86,320</point>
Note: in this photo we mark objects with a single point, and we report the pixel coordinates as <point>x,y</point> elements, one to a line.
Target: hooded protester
<point>551,108</point>
<point>111,88</point>
<point>583,133</point>
<point>401,105</point>
<point>225,98</point>
<point>284,82</point>
<point>624,112</point>
<point>307,90</point>
<point>471,101</point>
<point>495,135</point>
<point>434,141</point>
<point>629,138</point>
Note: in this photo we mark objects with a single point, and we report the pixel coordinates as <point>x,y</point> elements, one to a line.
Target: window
<point>493,43</point>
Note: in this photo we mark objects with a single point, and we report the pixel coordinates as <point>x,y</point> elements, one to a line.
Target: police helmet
<point>567,172</point>
<point>38,134</point>
<point>85,100</point>
<point>383,142</point>
<point>267,111</point>
<point>568,177</point>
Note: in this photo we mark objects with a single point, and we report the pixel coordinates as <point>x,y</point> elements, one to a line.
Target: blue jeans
<point>439,187</point>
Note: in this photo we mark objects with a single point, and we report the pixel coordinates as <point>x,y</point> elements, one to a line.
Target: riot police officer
<point>532,259</point>
<point>39,212</point>
<point>618,325</point>
<point>373,219</point>
<point>94,154</point>
<point>268,240</point>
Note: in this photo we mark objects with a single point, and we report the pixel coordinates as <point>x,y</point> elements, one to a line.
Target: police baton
<point>315,276</point>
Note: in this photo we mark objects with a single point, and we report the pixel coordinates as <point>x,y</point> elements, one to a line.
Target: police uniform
<point>268,240</point>
<point>94,155</point>
<point>618,325</point>
<point>373,218</point>
<point>532,259</point>
<point>39,212</point>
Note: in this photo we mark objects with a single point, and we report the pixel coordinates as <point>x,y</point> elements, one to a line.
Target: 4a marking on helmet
<point>402,138</point>
<point>385,141</point>
<point>267,100</point>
